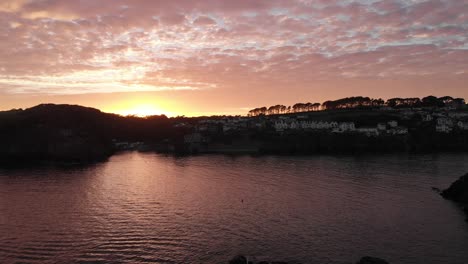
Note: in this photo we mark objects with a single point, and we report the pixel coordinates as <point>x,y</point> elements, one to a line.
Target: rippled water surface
<point>148,208</point>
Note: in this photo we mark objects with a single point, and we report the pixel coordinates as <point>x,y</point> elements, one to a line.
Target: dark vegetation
<point>71,133</point>
<point>326,143</point>
<point>360,102</point>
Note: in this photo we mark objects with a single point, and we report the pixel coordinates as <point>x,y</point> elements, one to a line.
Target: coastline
<point>458,193</point>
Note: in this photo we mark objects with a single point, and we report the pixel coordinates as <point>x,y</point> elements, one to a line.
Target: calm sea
<point>149,208</point>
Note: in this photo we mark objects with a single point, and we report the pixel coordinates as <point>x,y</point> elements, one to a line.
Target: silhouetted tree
<point>432,101</point>
<point>360,102</point>
<point>403,102</point>
<point>349,102</point>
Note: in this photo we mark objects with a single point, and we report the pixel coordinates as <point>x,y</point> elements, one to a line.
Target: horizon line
<point>246,112</point>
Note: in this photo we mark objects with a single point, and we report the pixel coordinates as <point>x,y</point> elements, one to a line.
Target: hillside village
<point>384,121</point>
<point>443,122</point>
<point>79,133</point>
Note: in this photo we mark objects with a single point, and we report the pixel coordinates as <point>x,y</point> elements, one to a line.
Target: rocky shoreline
<point>458,192</point>
<point>245,260</point>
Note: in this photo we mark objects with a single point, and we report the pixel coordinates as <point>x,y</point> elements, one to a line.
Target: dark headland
<point>63,133</point>
<point>71,133</point>
<point>458,192</point>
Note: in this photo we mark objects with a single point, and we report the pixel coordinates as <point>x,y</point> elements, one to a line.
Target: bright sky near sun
<point>221,56</point>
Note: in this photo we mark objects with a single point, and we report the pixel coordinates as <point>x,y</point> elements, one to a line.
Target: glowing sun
<point>142,110</point>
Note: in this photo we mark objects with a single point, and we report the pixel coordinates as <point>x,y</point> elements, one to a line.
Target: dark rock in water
<point>372,260</point>
<point>243,260</point>
<point>458,191</point>
<point>238,260</point>
<point>365,260</point>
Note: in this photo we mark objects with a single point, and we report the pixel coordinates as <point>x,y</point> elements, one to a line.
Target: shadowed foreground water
<point>147,208</point>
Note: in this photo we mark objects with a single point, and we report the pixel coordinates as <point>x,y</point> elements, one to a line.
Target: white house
<point>398,131</point>
<point>281,125</point>
<point>458,114</point>
<point>318,125</point>
<point>368,131</point>
<point>381,126</point>
<point>444,121</point>
<point>427,118</point>
<point>295,125</point>
<point>392,123</point>
<point>308,125</point>
<point>443,128</point>
<point>463,125</point>
<point>444,125</point>
<point>345,127</point>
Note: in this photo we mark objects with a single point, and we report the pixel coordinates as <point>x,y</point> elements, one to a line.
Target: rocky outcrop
<point>458,192</point>
<point>372,260</point>
<point>238,260</point>
<point>244,260</point>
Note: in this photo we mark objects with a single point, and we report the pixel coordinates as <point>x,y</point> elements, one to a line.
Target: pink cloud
<point>262,43</point>
<point>204,20</point>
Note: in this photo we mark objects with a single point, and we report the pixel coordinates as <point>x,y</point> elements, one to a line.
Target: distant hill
<point>71,132</point>
<point>50,132</point>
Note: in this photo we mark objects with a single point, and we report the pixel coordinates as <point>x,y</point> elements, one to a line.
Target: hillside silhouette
<point>71,132</point>
<point>51,132</point>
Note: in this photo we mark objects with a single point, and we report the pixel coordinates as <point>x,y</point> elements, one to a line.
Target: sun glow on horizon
<point>140,109</point>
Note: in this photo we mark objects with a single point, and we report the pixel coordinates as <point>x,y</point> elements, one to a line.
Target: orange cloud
<point>11,5</point>
<point>223,51</point>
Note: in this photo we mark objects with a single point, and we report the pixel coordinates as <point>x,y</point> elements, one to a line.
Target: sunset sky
<point>200,57</point>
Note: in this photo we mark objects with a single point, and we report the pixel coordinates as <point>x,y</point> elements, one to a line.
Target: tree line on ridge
<point>358,102</point>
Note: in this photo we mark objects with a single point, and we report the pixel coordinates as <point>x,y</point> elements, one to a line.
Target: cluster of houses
<point>447,125</point>
<point>225,124</point>
<point>284,124</point>
<point>447,122</point>
<point>389,128</point>
<point>444,122</point>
